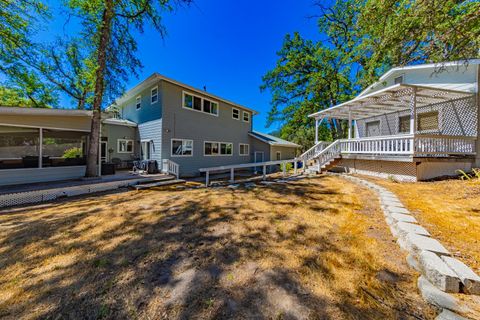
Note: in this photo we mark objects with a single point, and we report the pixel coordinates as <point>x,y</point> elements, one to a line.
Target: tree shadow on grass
<point>180,260</point>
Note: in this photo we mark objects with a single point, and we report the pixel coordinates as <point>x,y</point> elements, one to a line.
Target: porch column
<point>349,124</point>
<point>316,130</point>
<point>40,151</point>
<point>413,116</point>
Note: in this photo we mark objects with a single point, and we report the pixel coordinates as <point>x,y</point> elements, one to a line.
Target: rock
<point>416,243</point>
<point>438,273</point>
<point>406,227</point>
<point>449,315</point>
<point>470,280</point>
<point>413,263</point>
<point>389,202</point>
<point>400,217</point>
<point>250,185</point>
<point>436,297</point>
<point>397,210</point>
<point>233,186</point>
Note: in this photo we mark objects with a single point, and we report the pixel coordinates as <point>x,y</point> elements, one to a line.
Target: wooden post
<point>207,178</point>
<point>413,115</point>
<point>264,172</point>
<point>40,151</point>
<point>316,130</point>
<point>349,124</point>
<point>295,165</point>
<point>284,169</point>
<point>232,175</point>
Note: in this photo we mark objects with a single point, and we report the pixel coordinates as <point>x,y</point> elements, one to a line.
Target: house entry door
<point>146,150</point>
<point>258,157</point>
<point>103,152</point>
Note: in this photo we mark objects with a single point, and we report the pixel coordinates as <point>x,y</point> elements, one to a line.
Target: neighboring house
<point>415,123</point>
<point>191,127</point>
<point>160,119</point>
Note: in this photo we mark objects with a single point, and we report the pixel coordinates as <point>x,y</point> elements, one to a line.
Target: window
<point>398,80</point>
<point>63,148</point>
<point>372,128</point>
<point>182,148</point>
<point>246,116</point>
<point>211,148</point>
<point>236,114</point>
<point>244,149</point>
<point>138,102</point>
<point>124,146</point>
<point>154,95</point>
<point>427,121</point>
<point>404,124</point>
<point>146,147</point>
<point>193,102</point>
<point>279,155</point>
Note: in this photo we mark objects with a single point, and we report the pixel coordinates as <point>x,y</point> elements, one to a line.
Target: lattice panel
<point>403,171</point>
<point>456,118</point>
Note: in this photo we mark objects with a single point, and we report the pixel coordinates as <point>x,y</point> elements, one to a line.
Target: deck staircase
<point>321,157</point>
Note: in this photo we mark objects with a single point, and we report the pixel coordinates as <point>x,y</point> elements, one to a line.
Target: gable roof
<point>416,67</point>
<point>155,77</point>
<point>272,140</point>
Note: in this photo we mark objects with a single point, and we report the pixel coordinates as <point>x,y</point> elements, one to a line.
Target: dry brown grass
<point>449,209</point>
<point>316,248</point>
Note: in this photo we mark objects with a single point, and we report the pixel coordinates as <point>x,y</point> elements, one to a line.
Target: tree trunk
<point>105,35</point>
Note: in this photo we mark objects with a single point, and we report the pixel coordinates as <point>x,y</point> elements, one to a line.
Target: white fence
<point>170,167</point>
<point>264,165</point>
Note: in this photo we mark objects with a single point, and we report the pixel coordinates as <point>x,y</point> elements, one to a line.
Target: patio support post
<point>207,178</point>
<point>316,130</point>
<point>295,166</point>
<point>413,115</point>
<point>349,124</point>
<point>264,172</point>
<point>232,175</point>
<point>40,151</point>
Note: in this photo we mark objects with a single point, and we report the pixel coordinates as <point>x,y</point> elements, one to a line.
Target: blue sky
<point>227,46</point>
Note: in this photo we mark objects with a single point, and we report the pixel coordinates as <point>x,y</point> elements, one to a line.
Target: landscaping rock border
<point>440,273</point>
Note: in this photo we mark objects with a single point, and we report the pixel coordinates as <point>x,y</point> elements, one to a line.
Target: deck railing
<point>422,145</point>
<point>315,150</point>
<point>170,167</point>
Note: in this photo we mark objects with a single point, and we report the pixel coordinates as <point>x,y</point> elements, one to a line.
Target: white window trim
<point>219,149</point>
<point>202,99</point>
<point>399,122</point>
<point>151,95</point>
<point>181,155</point>
<point>126,141</point>
<point>238,114</point>
<point>278,153</point>
<point>137,102</point>
<point>243,116</point>
<point>239,149</point>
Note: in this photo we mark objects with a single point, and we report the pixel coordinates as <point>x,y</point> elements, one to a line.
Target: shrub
<point>289,166</point>
<point>74,152</point>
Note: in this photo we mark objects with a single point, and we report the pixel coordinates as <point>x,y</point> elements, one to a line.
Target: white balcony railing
<point>170,167</point>
<point>408,144</point>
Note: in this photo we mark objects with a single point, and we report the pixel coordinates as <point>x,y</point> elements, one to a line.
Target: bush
<point>288,168</point>
<point>72,153</point>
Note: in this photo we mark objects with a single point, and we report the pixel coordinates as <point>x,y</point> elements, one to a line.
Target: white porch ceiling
<point>398,97</point>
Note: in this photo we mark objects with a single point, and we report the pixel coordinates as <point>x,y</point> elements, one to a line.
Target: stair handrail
<point>313,151</point>
<point>170,167</point>
<point>330,152</point>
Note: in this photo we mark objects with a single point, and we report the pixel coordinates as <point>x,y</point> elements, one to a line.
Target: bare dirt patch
<point>316,248</point>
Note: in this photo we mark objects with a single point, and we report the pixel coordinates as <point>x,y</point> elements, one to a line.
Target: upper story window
<point>427,121</point>
<point>138,102</point>
<point>236,114</point>
<point>124,146</point>
<point>398,80</point>
<point>154,95</point>
<point>246,116</point>
<point>193,102</point>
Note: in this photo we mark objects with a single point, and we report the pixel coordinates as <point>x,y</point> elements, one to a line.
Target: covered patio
<point>406,120</point>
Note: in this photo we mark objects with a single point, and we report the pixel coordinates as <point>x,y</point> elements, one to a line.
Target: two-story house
<point>192,128</point>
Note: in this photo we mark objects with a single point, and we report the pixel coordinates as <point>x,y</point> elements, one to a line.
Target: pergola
<point>398,97</point>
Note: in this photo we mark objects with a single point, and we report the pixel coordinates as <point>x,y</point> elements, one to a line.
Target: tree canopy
<point>362,40</point>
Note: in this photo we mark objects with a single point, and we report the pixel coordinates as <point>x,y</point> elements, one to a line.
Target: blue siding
<point>153,131</point>
<point>148,111</point>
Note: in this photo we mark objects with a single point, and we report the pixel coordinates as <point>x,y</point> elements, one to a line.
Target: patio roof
<point>391,99</point>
